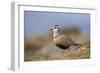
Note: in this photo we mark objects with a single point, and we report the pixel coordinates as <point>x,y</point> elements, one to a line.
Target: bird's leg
<point>63,51</point>
<point>68,50</point>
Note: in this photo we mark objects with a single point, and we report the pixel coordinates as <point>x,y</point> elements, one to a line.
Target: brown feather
<point>61,44</point>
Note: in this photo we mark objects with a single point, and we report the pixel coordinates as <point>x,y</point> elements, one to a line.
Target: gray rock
<point>50,50</point>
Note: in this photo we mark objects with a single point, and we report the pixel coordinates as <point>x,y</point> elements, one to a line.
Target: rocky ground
<point>52,52</point>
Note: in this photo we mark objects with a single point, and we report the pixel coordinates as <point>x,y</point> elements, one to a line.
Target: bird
<point>60,40</point>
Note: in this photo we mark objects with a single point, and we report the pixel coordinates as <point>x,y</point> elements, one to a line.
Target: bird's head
<point>55,28</point>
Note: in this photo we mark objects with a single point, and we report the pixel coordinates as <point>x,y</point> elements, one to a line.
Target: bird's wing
<point>66,39</point>
<point>61,42</point>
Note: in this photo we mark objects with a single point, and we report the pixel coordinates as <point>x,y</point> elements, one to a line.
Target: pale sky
<point>36,22</point>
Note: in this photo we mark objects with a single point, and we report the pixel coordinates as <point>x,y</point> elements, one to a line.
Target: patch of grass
<point>77,54</point>
<point>81,53</point>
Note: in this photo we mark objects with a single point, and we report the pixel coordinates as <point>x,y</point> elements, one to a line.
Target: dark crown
<point>56,26</point>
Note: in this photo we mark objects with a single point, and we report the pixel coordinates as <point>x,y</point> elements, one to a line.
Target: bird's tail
<point>78,45</point>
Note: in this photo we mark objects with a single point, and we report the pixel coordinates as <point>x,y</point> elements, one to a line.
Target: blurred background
<point>37,34</point>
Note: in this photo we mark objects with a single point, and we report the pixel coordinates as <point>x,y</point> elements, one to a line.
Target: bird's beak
<point>51,29</point>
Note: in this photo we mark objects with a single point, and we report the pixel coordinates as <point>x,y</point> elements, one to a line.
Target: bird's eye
<point>55,27</point>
